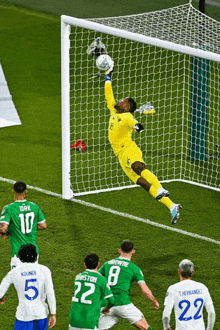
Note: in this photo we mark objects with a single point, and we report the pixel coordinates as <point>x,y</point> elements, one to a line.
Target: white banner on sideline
<point>8,112</point>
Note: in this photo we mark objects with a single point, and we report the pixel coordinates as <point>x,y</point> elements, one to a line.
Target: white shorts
<point>128,312</point>
<point>72,328</point>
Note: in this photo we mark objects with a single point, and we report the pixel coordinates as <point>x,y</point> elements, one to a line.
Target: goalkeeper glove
<point>138,127</point>
<point>96,48</point>
<point>146,109</point>
<point>108,73</point>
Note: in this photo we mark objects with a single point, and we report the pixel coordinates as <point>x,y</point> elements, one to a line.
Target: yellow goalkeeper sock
<point>151,178</point>
<point>165,200</point>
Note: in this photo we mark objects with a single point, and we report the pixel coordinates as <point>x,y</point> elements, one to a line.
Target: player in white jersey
<point>188,298</point>
<point>33,283</point>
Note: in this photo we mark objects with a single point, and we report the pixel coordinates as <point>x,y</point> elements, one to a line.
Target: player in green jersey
<point>120,273</point>
<point>89,290</point>
<point>20,221</point>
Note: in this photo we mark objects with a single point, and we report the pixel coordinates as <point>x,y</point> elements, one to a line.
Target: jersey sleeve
<point>138,275</point>
<point>50,290</point>
<point>169,298</point>
<point>102,270</point>
<point>109,96</point>
<point>41,217</point>
<point>131,121</point>
<point>108,295</point>
<point>166,317</point>
<point>5,216</point>
<point>5,284</point>
<point>208,299</point>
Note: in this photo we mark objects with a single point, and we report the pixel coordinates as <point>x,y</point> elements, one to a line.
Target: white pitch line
<point>30,12</point>
<point>122,214</point>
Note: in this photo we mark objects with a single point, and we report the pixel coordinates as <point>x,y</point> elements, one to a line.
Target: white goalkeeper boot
<point>161,192</point>
<point>175,213</point>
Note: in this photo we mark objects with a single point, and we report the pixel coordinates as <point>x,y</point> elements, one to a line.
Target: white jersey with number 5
<point>33,283</point>
<point>188,298</point>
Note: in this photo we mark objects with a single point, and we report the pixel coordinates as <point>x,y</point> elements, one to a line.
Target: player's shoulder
<point>127,263</point>
<point>133,265</point>
<point>32,203</point>
<point>109,262</point>
<point>43,268</point>
<point>101,278</point>
<point>7,206</point>
<point>127,115</point>
<point>174,287</point>
<point>187,285</point>
<point>199,285</point>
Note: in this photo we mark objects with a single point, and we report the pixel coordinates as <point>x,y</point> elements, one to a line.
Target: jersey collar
<point>91,270</point>
<point>124,258</point>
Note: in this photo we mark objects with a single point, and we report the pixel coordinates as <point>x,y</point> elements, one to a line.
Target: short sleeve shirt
<point>90,288</point>
<point>33,283</point>
<point>23,218</point>
<point>120,273</point>
<point>188,298</point>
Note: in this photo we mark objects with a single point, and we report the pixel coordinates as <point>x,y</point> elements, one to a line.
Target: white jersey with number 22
<point>188,298</point>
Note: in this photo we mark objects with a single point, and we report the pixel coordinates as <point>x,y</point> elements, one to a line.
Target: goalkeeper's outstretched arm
<point>108,89</point>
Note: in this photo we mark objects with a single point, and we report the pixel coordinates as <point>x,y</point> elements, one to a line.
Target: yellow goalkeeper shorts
<point>127,156</point>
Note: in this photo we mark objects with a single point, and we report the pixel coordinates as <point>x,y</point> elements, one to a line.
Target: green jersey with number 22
<point>89,290</point>
<point>22,218</point>
<point>120,273</point>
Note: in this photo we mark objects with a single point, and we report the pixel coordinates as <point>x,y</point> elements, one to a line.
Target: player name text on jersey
<point>186,293</point>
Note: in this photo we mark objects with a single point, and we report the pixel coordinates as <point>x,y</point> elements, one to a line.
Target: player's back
<point>120,273</point>
<point>189,298</point>
<point>31,281</point>
<point>90,287</point>
<point>23,218</point>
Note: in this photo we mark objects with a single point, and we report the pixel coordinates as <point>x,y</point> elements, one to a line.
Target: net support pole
<point>199,109</point>
<point>65,45</point>
<point>199,101</point>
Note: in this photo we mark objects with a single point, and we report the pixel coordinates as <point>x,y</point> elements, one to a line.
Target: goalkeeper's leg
<point>150,182</point>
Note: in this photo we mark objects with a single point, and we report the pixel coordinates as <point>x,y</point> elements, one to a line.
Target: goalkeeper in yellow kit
<point>121,126</point>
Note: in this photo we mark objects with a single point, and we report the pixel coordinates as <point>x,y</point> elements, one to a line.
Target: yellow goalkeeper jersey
<point>121,125</point>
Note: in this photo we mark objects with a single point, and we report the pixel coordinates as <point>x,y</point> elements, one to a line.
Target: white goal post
<point>170,58</point>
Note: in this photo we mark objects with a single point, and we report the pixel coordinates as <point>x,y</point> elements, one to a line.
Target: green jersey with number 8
<point>120,273</point>
<point>89,289</point>
<point>23,218</point>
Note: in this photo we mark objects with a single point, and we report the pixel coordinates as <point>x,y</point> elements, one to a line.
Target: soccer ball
<point>103,62</point>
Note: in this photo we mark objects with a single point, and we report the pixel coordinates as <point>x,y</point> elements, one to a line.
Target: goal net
<point>170,58</point>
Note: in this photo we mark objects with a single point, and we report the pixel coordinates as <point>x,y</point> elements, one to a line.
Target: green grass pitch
<point>30,57</point>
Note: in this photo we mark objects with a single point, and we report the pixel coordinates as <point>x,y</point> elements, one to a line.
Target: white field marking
<point>122,214</point>
<point>29,11</point>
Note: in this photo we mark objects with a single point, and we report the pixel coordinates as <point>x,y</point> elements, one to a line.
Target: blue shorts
<point>31,325</point>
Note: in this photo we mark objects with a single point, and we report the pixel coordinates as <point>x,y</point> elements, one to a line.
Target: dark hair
<point>186,273</point>
<point>132,104</point>
<point>20,187</point>
<point>91,260</point>
<point>127,246</point>
<point>27,253</point>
